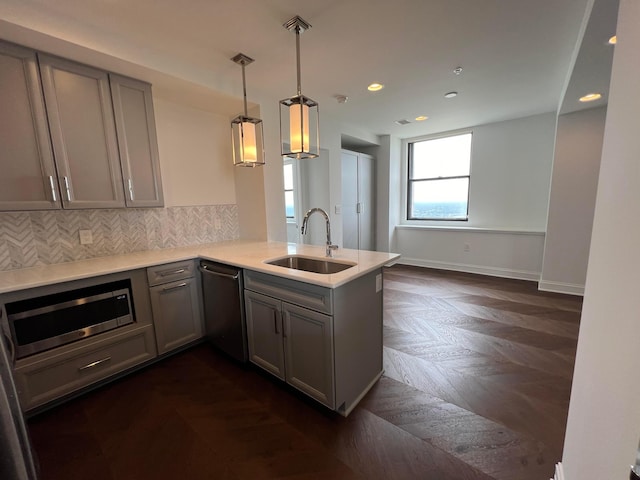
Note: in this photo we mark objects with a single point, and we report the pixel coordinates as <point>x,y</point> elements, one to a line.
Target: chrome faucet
<point>330,247</point>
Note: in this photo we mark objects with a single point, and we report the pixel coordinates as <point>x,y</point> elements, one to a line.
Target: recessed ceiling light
<point>457,70</point>
<point>374,87</point>
<point>421,118</point>
<point>450,94</point>
<point>591,97</point>
<point>613,40</point>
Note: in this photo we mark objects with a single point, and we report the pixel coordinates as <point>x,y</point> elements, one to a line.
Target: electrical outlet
<point>467,247</point>
<point>217,224</point>
<point>86,237</point>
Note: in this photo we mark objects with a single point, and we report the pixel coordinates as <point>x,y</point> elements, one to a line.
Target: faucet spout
<point>305,220</point>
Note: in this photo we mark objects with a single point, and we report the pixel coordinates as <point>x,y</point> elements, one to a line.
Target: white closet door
<point>366,203</point>
<point>349,199</point>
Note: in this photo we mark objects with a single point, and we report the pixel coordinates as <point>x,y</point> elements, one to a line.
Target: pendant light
<point>246,132</point>
<point>299,114</point>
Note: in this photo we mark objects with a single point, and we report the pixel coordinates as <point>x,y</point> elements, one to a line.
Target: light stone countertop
<point>245,254</point>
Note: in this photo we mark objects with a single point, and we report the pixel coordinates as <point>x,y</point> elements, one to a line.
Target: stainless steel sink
<point>308,264</point>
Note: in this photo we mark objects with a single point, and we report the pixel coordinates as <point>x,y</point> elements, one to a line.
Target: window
<point>438,181</point>
<point>289,203</point>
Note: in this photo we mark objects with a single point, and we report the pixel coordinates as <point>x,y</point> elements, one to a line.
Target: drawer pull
<point>180,285</point>
<point>172,272</point>
<point>94,364</point>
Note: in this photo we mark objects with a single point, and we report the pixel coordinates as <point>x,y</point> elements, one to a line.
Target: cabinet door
<point>366,203</point>
<point>176,314</point>
<point>137,141</point>
<point>264,332</point>
<point>349,199</point>
<point>308,340</point>
<point>78,102</point>
<point>28,180</point>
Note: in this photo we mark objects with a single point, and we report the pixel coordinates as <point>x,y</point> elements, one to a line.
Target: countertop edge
<point>230,253</point>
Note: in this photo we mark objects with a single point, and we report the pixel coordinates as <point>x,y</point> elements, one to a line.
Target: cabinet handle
<point>218,274</point>
<point>172,272</point>
<point>66,186</point>
<point>53,188</point>
<point>130,190</point>
<point>12,346</point>
<point>94,364</point>
<point>166,289</point>
<point>275,321</point>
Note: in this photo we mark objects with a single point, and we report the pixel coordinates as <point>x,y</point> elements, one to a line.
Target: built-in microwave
<point>41,323</point>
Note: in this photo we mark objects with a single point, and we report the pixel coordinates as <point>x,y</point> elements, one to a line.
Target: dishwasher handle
<point>204,269</point>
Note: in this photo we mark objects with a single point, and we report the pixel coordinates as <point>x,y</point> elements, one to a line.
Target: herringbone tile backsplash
<point>29,239</point>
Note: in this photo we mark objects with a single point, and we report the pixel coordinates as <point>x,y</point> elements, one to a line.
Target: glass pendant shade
<point>299,119</point>
<point>299,127</point>
<point>247,136</point>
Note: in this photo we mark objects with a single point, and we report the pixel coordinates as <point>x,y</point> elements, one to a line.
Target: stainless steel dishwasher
<point>224,320</point>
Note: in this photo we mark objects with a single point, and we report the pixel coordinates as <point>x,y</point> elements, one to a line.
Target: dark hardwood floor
<point>476,386</point>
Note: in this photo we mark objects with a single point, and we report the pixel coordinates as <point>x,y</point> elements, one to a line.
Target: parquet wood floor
<point>476,387</point>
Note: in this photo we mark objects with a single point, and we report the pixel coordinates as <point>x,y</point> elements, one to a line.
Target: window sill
<point>445,228</point>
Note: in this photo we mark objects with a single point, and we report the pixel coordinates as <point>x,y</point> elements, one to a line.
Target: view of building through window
<point>438,183</point>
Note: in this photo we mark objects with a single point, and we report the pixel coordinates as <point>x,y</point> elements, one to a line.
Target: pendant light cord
<point>244,90</point>
<point>298,60</point>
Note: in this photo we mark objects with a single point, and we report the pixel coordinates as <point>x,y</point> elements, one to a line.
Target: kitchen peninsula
<point>320,333</point>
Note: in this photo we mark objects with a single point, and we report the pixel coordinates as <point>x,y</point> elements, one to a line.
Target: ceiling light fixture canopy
<point>299,118</point>
<point>246,132</point>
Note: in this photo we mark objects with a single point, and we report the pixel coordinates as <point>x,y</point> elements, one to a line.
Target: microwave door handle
<point>10,344</point>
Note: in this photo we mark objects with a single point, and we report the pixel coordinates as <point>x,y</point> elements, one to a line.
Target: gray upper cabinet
<point>83,134</point>
<point>137,141</point>
<point>28,180</point>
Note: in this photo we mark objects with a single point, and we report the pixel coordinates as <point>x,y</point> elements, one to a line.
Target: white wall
<point>388,179</point>
<point>508,254</point>
<point>195,155</point>
<point>604,415</point>
<point>510,173</point>
<point>508,198</point>
<point>572,200</point>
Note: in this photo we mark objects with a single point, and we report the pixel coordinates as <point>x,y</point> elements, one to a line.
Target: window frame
<point>408,181</point>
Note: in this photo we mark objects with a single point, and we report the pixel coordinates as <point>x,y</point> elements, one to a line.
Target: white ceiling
<point>516,54</point>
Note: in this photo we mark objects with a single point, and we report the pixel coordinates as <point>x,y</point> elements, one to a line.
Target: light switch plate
<point>338,209</point>
<point>86,237</point>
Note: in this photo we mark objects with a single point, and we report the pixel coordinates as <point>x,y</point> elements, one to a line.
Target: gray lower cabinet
<point>61,371</point>
<point>175,303</point>
<point>326,342</point>
<point>293,343</point>
<point>45,377</point>
<point>28,180</point>
<point>83,134</point>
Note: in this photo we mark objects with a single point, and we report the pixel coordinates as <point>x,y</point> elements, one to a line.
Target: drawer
<point>170,272</point>
<point>42,381</point>
<point>303,294</point>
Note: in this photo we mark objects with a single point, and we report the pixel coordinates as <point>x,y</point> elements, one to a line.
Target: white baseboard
<point>559,287</point>
<point>482,270</point>
<point>559,472</point>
